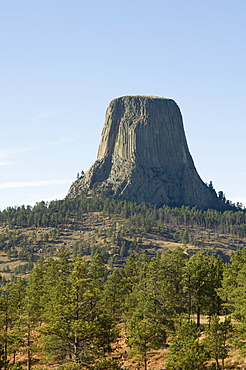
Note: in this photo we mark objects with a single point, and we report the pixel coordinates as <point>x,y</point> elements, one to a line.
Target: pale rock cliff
<point>143,156</point>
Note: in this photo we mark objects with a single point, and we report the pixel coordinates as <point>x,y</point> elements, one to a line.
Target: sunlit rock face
<point>143,156</point>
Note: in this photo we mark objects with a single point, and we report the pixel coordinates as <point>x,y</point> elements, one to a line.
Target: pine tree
<point>233,292</point>
<point>33,310</point>
<point>113,295</point>
<point>186,352</point>
<point>142,335</point>
<point>203,276</point>
<point>147,310</point>
<point>75,324</point>
<point>216,339</point>
<point>11,303</point>
<point>173,269</point>
<point>17,306</point>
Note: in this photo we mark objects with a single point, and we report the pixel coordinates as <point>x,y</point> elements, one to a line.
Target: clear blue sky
<point>62,62</point>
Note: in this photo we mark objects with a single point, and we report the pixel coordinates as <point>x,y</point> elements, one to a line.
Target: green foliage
<point>106,365</point>
<point>70,366</point>
<point>113,294</point>
<point>233,292</point>
<point>143,335</point>
<point>73,307</point>
<point>11,330</point>
<point>185,224</point>
<point>75,322</point>
<point>186,351</point>
<point>216,339</point>
<point>153,298</point>
<point>233,285</point>
<point>16,366</point>
<point>203,275</point>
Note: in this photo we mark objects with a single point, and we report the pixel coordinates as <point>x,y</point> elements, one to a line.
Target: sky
<point>62,62</point>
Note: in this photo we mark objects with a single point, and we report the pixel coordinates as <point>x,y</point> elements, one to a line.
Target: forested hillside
<point>94,283</point>
<point>73,312</point>
<point>115,229</point>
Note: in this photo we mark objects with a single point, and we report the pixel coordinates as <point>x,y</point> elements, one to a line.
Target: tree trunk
<point>29,360</point>
<point>198,316</point>
<point>223,364</point>
<point>76,349</point>
<point>217,363</point>
<point>6,342</point>
<point>145,361</point>
<point>29,357</point>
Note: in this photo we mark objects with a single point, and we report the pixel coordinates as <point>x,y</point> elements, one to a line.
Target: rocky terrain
<point>143,156</point>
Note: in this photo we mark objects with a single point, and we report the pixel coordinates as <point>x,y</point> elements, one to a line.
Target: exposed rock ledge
<point>143,156</point>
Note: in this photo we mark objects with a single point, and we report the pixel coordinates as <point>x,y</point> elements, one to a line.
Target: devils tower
<point>143,156</point>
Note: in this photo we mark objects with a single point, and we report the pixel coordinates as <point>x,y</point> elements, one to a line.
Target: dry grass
<point>92,229</point>
<point>156,358</point>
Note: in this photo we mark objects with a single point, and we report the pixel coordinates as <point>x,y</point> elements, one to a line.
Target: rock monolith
<point>143,156</point>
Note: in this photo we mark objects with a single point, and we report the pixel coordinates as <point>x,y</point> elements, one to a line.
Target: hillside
<point>115,229</point>
<point>83,265</point>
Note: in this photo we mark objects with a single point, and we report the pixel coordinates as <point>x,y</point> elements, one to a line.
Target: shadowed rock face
<point>143,156</point>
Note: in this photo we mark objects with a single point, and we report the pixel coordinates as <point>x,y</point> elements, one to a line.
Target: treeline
<point>58,212</point>
<point>75,311</point>
<point>29,233</point>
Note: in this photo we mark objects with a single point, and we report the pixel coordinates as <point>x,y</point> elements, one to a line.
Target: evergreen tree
<point>186,352</point>
<point>113,296</point>
<point>148,308</point>
<point>33,310</point>
<point>143,335</point>
<point>203,276</point>
<point>216,339</point>
<point>11,303</point>
<point>233,292</point>
<point>172,266</point>
<point>17,307</point>
<point>233,289</point>
<point>75,324</point>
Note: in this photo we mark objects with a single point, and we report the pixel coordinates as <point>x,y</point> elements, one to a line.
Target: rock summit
<point>143,156</point>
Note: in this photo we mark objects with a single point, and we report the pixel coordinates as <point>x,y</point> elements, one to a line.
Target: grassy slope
<point>93,231</point>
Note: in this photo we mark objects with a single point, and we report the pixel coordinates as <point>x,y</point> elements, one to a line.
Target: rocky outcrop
<point>143,156</point>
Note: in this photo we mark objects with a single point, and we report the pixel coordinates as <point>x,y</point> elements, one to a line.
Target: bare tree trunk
<point>76,349</point>
<point>198,316</point>
<point>223,364</point>
<point>217,363</point>
<point>145,361</point>
<point>29,356</point>
<point>6,341</point>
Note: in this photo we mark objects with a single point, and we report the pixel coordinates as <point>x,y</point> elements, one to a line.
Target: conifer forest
<point>96,283</point>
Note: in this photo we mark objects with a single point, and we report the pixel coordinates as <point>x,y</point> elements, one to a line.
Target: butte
<point>143,156</point>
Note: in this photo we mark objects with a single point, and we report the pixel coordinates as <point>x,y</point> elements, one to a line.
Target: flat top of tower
<point>143,96</point>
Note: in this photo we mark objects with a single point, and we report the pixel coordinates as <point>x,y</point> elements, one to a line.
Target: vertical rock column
<point>143,156</point>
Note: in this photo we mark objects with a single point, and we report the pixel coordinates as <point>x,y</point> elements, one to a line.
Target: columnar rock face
<point>143,156</point>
